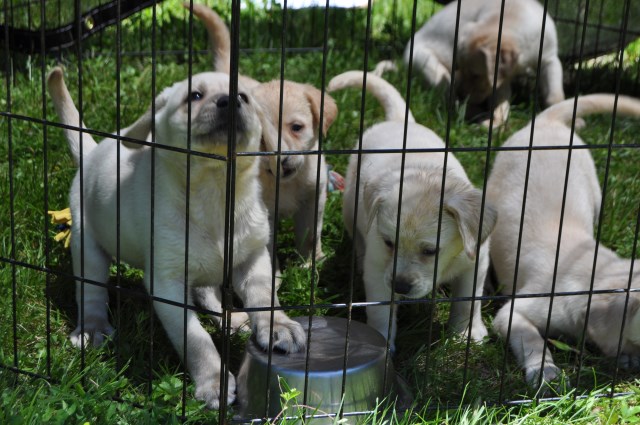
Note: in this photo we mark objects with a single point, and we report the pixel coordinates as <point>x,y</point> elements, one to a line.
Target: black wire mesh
<point>134,44</point>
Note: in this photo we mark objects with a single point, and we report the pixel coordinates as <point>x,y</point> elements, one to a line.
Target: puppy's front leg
<point>304,222</point>
<point>526,342</point>
<point>551,83</point>
<point>209,297</point>
<point>501,106</point>
<point>460,313</point>
<point>202,358</point>
<point>93,320</point>
<point>378,316</point>
<point>252,282</point>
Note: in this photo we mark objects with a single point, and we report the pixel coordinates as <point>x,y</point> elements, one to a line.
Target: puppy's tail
<point>392,102</point>
<point>590,104</point>
<point>384,66</point>
<point>219,38</point>
<point>68,114</point>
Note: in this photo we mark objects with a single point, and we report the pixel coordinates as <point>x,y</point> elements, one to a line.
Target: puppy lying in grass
<point>477,49</point>
<point>402,256</point>
<point>299,170</point>
<point>525,327</point>
<point>99,196</point>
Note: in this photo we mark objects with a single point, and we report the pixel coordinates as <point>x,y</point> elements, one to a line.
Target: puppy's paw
<point>95,331</point>
<point>210,391</point>
<point>628,361</point>
<point>240,322</point>
<point>551,373</point>
<point>288,335</point>
<point>479,332</point>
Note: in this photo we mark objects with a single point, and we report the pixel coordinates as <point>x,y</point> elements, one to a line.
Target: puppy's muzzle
<point>224,101</point>
<point>402,285</point>
<point>288,167</point>
<point>223,111</point>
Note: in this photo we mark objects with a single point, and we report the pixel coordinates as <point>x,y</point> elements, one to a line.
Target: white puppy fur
<point>96,237</point>
<point>540,230</point>
<point>378,203</point>
<point>296,172</point>
<point>477,46</point>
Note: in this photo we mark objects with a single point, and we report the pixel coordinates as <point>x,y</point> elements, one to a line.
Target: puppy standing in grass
<point>477,49</point>
<point>96,236</point>
<point>462,242</point>
<point>540,228</point>
<point>302,176</point>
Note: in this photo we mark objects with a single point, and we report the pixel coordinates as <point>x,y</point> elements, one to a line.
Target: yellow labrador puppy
<point>462,241</point>
<point>96,237</point>
<point>540,228</point>
<point>300,168</point>
<point>477,49</point>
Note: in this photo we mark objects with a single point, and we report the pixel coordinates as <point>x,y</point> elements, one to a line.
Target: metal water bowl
<point>369,377</point>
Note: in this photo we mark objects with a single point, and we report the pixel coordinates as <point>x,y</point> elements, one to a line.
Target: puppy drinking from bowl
<point>96,237</point>
<point>462,241</point>
<point>300,170</point>
<point>477,48</point>
<point>537,255</point>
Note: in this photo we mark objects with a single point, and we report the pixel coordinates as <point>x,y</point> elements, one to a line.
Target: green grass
<point>427,357</point>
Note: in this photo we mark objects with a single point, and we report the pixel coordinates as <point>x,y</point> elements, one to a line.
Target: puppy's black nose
<point>401,285</point>
<point>224,100</point>
<point>287,169</point>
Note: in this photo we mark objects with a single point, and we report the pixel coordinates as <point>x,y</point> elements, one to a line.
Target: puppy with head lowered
<point>478,31</point>
<point>112,215</point>
<point>540,232</point>
<point>299,170</point>
<point>462,239</point>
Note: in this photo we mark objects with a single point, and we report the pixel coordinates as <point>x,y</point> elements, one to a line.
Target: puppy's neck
<point>205,172</point>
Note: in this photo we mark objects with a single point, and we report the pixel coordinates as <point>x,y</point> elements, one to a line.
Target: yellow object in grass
<point>62,220</point>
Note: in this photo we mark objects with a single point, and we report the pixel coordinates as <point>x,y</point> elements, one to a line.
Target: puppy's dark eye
<point>429,252</point>
<point>243,97</point>
<point>388,243</point>
<point>296,128</point>
<point>195,96</point>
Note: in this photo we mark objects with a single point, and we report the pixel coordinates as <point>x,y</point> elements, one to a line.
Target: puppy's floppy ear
<point>464,206</point>
<point>372,197</point>
<point>330,110</point>
<point>142,127</point>
<point>269,140</point>
<point>508,60</point>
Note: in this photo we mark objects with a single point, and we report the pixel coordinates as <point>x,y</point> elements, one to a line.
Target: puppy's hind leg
<point>209,297</point>
<point>201,357</point>
<point>92,300</point>
<point>526,342</point>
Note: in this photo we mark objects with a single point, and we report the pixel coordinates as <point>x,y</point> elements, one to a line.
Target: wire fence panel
<point>381,210</point>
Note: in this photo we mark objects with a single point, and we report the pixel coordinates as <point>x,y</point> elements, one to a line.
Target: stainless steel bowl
<point>366,383</point>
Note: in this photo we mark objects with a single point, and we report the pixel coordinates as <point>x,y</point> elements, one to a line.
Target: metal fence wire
<point>232,263</point>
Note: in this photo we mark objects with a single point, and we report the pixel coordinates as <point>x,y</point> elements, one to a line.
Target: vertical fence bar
<point>187,196</point>
<point>152,222</point>
<point>230,193</point>
<point>12,224</point>
<point>45,181</point>
<point>80,295</point>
